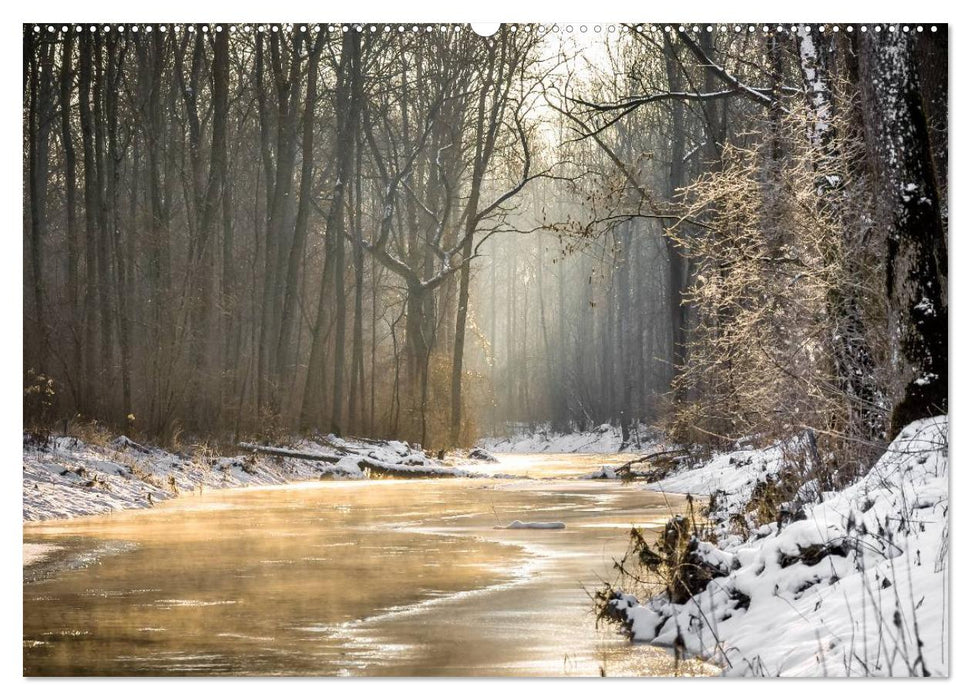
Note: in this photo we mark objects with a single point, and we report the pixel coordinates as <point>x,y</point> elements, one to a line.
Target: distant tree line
<point>263,227</point>
<point>427,234</point>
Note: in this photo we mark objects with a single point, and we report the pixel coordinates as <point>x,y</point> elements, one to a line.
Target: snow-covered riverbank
<point>68,478</point>
<point>857,587</point>
<point>604,439</point>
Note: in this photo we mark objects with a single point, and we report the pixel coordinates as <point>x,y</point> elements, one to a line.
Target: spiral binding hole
<point>541,29</point>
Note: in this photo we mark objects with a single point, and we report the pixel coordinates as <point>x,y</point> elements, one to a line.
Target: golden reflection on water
<point>341,578</point>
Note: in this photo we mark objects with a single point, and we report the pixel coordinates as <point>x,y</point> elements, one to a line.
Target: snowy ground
<point>731,475</point>
<point>859,587</point>
<point>70,478</point>
<point>604,439</point>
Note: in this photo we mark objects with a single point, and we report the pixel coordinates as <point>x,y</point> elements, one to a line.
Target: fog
<point>420,233</point>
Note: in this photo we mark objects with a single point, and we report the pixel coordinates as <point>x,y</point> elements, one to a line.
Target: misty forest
<point>697,239</point>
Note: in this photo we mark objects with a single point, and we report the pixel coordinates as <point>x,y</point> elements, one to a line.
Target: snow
<point>605,472</point>
<point>520,525</point>
<point>809,62</point>
<point>733,475</point>
<point>857,588</point>
<point>70,478</point>
<point>925,306</point>
<point>604,439</point>
<point>35,552</point>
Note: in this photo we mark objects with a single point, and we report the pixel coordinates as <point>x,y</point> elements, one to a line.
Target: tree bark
<point>852,355</point>
<point>70,193</point>
<point>41,62</point>
<point>91,362</point>
<point>900,149</point>
<point>347,107</point>
<point>677,282</point>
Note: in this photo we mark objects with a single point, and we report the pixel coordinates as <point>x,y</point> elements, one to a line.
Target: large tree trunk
<point>265,390</point>
<point>900,148</point>
<point>217,189</point>
<point>355,407</point>
<point>91,364</point>
<point>70,187</point>
<point>485,136</point>
<point>458,348</point>
<point>39,128</point>
<point>229,349</point>
<point>280,202</point>
<point>285,349</point>
<point>114,157</point>
<point>103,54</point>
<point>852,355</point>
<point>677,278</point>
<point>151,58</point>
<point>931,49</point>
<point>347,108</point>
<point>347,141</point>
<point>417,348</point>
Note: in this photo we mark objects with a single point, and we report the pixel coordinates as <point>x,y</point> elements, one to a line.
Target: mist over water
<point>376,578</point>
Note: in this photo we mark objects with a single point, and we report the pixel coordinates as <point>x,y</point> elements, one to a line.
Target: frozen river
<point>386,577</point>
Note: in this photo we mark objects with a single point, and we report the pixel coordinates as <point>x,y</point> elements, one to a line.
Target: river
<point>375,578</point>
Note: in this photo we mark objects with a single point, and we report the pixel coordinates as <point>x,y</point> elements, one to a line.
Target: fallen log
<point>327,442</point>
<point>679,451</point>
<point>123,442</point>
<point>281,452</point>
<point>368,464</point>
<point>626,471</point>
<point>407,471</point>
<point>351,439</point>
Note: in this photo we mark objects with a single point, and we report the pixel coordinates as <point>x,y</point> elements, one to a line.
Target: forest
<point>420,233</point>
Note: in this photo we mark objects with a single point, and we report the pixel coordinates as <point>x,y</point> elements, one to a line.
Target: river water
<point>378,578</point>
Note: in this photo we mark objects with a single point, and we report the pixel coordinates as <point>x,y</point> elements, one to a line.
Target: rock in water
<point>481,455</point>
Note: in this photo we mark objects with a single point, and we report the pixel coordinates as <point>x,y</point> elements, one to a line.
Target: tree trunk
<point>347,107</point>
<point>70,192</point>
<point>900,150</point>
<point>356,400</point>
<point>39,128</point>
<point>285,349</point>
<point>852,356</point>
<point>91,356</point>
<point>103,54</point>
<point>676,263</point>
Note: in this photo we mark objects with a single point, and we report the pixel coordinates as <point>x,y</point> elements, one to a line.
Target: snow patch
<point>520,525</point>
<point>67,478</point>
<point>857,588</point>
<point>604,439</point>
